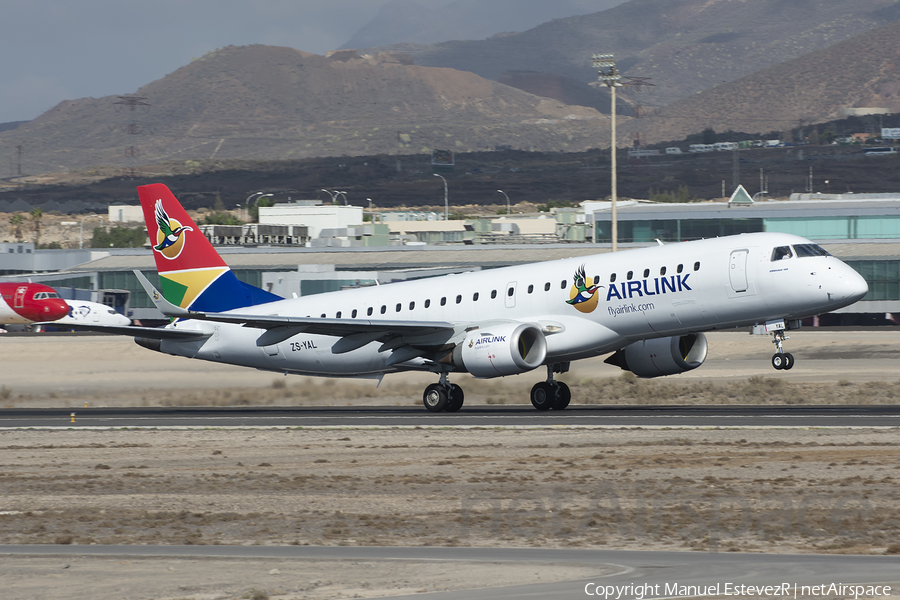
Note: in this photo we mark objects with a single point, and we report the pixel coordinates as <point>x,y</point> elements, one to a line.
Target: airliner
<point>647,308</point>
<point>27,303</point>
<point>85,312</point>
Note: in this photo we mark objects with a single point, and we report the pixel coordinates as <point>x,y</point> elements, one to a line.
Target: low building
<point>315,218</point>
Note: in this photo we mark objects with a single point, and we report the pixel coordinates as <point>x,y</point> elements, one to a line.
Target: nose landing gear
<point>781,360</point>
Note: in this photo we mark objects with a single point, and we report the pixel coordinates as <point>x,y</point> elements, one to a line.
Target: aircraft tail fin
<point>192,275</point>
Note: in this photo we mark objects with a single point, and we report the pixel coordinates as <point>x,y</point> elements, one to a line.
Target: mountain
<point>408,21</point>
<point>683,46</point>
<point>861,72</point>
<point>265,102</point>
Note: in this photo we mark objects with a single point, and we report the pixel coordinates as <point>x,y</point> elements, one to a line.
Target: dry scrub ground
<point>766,490</point>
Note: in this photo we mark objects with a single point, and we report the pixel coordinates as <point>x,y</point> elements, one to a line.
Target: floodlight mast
<point>609,76</point>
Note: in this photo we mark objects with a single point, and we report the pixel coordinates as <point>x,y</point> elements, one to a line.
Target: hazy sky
<point>53,50</point>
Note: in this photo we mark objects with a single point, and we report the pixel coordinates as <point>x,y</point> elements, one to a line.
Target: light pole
<point>81,236</point>
<point>344,194</point>
<point>609,76</point>
<point>333,195</point>
<point>446,205</point>
<point>507,200</point>
<point>247,203</point>
<point>255,203</point>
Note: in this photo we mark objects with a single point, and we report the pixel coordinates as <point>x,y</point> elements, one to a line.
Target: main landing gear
<point>551,394</point>
<point>443,396</point>
<point>782,360</point>
<point>545,395</point>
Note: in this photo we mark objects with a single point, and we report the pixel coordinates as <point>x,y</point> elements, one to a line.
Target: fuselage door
<point>511,294</point>
<point>737,271</point>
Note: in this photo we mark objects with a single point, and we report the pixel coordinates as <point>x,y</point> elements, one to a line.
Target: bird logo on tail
<point>169,238</point>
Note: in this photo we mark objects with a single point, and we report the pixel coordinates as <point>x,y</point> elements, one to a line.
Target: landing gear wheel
<point>788,361</point>
<point>563,396</point>
<point>455,401</point>
<point>435,397</point>
<point>779,360</point>
<point>542,396</point>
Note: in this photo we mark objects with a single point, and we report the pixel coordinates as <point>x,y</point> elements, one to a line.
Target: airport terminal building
<point>862,230</point>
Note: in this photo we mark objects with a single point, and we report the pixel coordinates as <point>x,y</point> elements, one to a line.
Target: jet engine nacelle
<point>505,349</point>
<point>662,356</point>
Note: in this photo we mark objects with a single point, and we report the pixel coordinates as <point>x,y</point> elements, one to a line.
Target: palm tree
<point>16,221</point>
<point>36,214</point>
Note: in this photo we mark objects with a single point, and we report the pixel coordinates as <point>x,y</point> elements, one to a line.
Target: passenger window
<point>510,292</point>
<point>562,284</point>
<point>323,315</point>
<point>629,275</point>
<point>662,271</point>
<point>369,311</point>
<point>412,305</point>
<point>493,294</point>
<point>475,297</point>
<point>679,269</point>
<point>337,315</point>
<point>697,266</point>
<point>398,307</point>
<point>428,303</point>
<point>781,253</point>
<point>646,273</point>
<point>458,299</point>
<point>530,288</point>
<point>547,287</point>
<point>612,277</point>
<point>444,301</point>
<point>383,309</point>
<point>353,314</point>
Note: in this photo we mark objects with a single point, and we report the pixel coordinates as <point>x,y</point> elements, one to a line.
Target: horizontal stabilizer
<point>157,333</point>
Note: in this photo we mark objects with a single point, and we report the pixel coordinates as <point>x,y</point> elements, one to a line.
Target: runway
<point>474,417</point>
<point>655,572</point>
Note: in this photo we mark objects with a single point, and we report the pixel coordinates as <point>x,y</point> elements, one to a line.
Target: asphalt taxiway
<point>652,571</point>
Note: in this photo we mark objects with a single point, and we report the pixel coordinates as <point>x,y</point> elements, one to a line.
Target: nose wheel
<point>782,360</point>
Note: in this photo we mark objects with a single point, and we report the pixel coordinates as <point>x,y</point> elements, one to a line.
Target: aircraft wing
<point>157,333</point>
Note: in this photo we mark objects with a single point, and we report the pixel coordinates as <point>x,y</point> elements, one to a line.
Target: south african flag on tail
<point>192,275</point>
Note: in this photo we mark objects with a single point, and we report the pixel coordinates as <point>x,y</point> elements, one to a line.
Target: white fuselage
<point>86,313</point>
<point>641,294</point>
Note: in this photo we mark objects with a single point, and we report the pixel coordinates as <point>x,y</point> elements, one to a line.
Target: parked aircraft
<point>648,307</point>
<point>27,303</point>
<point>91,313</point>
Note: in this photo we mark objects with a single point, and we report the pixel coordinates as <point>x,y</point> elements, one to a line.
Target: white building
<point>316,218</point>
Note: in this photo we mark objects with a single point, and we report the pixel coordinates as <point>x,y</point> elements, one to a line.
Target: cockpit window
<point>804,250</point>
<point>781,253</point>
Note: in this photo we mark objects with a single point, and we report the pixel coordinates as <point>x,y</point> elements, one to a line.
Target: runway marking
<point>435,426</point>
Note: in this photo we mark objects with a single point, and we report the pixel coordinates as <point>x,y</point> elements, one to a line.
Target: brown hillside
<point>264,102</point>
<point>860,72</point>
<point>684,46</point>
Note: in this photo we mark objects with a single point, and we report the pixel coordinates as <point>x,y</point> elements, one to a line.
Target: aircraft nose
<point>851,286</point>
<point>54,309</point>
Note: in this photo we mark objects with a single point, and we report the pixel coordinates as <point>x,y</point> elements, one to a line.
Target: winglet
<point>164,306</point>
